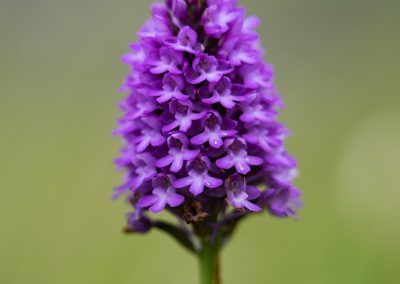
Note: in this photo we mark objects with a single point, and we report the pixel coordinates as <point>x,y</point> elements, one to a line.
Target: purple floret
<point>200,119</point>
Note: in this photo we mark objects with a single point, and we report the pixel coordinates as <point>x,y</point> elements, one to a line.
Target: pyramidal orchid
<point>200,130</point>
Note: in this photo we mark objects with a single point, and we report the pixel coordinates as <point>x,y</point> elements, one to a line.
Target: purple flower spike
<point>178,153</point>
<point>200,122</point>
<point>239,195</point>
<point>207,68</point>
<point>198,177</point>
<point>237,157</point>
<point>223,92</point>
<point>163,194</point>
<point>213,132</point>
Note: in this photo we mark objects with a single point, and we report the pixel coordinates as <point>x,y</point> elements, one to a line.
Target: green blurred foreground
<point>337,65</point>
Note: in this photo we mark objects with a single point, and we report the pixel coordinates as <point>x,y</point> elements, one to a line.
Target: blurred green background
<point>338,70</point>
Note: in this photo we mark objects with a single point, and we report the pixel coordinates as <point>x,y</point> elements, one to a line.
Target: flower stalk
<point>209,264</point>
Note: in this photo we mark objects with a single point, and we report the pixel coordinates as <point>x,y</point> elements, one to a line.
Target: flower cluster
<point>200,125</point>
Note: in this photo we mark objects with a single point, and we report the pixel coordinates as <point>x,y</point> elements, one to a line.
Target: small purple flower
<point>178,153</point>
<point>183,116</point>
<point>219,16</point>
<point>179,10</point>
<point>224,93</point>
<point>260,75</point>
<point>257,113</point>
<point>207,68</point>
<point>213,131</point>
<point>172,86</point>
<point>198,177</point>
<point>250,24</point>
<point>187,41</point>
<point>163,194</point>
<point>158,26</point>
<point>138,222</point>
<point>268,138</point>
<point>283,202</point>
<point>150,134</point>
<point>237,156</point>
<point>143,170</point>
<point>169,61</point>
<point>136,58</point>
<point>236,52</point>
<point>239,194</point>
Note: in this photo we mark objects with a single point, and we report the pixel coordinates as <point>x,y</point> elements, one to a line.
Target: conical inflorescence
<point>200,130</point>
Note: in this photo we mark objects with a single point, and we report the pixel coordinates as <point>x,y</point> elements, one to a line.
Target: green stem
<point>209,264</point>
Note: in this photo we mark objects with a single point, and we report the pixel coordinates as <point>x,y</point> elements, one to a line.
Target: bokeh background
<point>337,68</point>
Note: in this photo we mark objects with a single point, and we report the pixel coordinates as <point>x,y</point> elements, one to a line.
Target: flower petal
<point>197,187</point>
<point>183,182</point>
<point>225,163</point>
<point>242,167</point>
<point>212,182</point>
<point>165,161</point>
<point>174,199</point>
<point>147,201</point>
<point>200,138</point>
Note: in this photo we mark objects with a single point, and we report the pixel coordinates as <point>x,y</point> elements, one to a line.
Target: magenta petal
<point>143,145</point>
<point>158,206</point>
<point>185,124</point>
<point>199,79</point>
<point>197,187</point>
<point>183,182</point>
<point>199,139</point>
<point>242,167</point>
<point>216,141</point>
<point>225,163</point>
<point>159,69</point>
<point>164,98</point>
<point>213,77</point>
<point>246,117</point>
<point>146,201</point>
<point>177,164</point>
<point>190,155</point>
<point>157,140</point>
<point>212,182</point>
<point>211,100</point>
<point>251,206</point>
<point>174,199</point>
<point>165,161</point>
<point>253,160</point>
<point>170,126</point>
<point>226,133</point>
<point>227,102</point>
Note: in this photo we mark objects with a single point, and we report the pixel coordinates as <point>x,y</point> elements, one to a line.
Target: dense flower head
<point>200,125</point>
